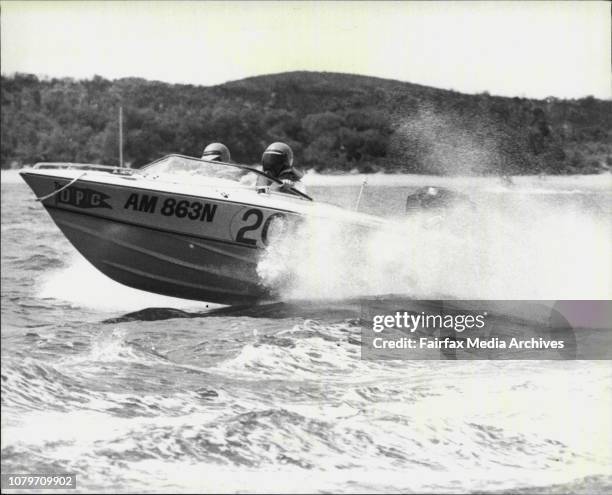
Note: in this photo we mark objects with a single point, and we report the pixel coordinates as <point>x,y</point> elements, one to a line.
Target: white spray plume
<point>521,250</point>
<point>441,143</point>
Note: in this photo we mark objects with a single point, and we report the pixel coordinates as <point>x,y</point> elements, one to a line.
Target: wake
<point>518,248</point>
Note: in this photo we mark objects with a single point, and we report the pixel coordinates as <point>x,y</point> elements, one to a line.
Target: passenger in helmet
<point>277,162</point>
<point>216,152</point>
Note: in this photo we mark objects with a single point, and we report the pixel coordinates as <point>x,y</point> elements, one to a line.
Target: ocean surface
<point>136,392</point>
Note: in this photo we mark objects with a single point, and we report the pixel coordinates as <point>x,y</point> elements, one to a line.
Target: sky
<point>530,49</point>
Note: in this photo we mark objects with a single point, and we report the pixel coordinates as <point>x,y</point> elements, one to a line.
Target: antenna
<point>363,184</point>
<point>120,136</point>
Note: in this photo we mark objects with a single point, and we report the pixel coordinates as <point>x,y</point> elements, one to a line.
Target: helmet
<point>276,158</point>
<point>216,152</point>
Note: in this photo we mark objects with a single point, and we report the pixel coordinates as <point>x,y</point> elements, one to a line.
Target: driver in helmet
<point>277,162</point>
<point>216,152</point>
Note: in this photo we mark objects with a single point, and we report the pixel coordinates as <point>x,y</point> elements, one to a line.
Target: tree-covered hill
<point>333,121</point>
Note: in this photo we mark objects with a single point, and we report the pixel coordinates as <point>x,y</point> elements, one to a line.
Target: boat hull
<point>165,263</point>
<point>188,239</point>
<point>122,231</point>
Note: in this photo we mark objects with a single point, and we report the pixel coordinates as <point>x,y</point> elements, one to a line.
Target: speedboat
<point>180,226</point>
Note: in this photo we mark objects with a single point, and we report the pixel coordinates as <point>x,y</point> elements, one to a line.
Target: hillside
<point>334,122</point>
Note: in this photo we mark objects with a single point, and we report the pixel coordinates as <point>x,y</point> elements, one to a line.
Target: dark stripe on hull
<point>166,263</point>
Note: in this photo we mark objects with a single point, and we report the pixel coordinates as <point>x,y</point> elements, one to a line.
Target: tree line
<point>334,122</point>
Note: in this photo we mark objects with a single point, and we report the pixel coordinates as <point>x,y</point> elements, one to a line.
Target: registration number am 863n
<point>251,226</point>
<point>171,207</point>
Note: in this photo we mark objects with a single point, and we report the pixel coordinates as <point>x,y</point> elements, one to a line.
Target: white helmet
<point>216,152</point>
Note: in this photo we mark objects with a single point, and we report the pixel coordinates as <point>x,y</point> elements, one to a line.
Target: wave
<point>82,285</point>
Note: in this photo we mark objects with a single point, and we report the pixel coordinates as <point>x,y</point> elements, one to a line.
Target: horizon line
<point>46,77</point>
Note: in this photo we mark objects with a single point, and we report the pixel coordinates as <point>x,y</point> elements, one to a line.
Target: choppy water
<point>276,398</point>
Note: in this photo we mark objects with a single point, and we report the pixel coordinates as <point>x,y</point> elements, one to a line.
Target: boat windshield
<point>186,166</point>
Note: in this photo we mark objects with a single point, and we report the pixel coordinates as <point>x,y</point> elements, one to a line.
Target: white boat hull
<point>169,241</point>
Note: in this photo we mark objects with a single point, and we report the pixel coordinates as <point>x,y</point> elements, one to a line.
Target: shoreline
<point>595,181</point>
<point>601,182</point>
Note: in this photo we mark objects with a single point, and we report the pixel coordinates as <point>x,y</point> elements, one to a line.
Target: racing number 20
<point>258,214</point>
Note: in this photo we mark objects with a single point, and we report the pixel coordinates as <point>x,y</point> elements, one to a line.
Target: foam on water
<point>82,285</point>
<point>520,248</point>
<point>363,436</point>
